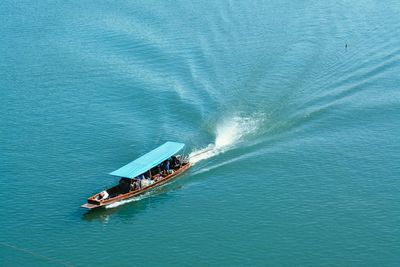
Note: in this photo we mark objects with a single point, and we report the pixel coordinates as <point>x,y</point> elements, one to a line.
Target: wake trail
<point>122,202</point>
<point>229,134</point>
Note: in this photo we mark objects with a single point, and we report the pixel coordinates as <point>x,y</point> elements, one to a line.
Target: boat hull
<point>95,204</point>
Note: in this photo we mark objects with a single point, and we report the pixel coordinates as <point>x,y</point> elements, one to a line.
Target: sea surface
<point>295,104</point>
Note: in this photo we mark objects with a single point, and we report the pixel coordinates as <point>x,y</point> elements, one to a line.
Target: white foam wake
<point>122,202</point>
<point>133,199</point>
<point>228,134</point>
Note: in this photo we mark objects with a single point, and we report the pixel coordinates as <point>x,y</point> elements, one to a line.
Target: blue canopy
<point>149,160</point>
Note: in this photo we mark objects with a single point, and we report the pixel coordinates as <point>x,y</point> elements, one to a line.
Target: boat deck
<point>122,196</point>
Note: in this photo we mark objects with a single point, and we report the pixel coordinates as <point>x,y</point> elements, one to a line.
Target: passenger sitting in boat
<point>157,177</point>
<point>103,195</point>
<point>146,182</point>
<point>132,185</point>
<point>175,162</point>
<point>137,181</point>
<point>137,184</point>
<point>166,166</point>
<point>159,169</point>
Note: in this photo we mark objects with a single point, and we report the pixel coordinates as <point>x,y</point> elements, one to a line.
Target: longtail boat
<point>151,170</point>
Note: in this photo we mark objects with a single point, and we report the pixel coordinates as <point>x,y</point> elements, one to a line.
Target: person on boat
<point>166,166</point>
<point>157,177</point>
<point>132,185</point>
<point>159,169</point>
<point>176,164</point>
<point>144,183</point>
<point>137,184</point>
<point>103,195</point>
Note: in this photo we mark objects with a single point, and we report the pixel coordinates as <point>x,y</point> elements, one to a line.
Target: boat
<point>149,171</point>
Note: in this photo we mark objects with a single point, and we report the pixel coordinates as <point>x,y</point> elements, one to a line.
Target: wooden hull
<point>94,204</point>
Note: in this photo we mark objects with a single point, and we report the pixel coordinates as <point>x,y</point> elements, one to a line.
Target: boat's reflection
<point>127,209</point>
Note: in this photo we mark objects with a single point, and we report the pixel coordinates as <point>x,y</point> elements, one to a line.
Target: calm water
<point>304,131</point>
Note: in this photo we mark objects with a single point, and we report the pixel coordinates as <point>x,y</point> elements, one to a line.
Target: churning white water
<point>228,134</point>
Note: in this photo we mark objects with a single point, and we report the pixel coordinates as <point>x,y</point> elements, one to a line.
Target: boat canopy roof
<point>149,160</point>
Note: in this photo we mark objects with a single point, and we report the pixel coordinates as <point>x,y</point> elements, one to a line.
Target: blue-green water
<point>299,101</point>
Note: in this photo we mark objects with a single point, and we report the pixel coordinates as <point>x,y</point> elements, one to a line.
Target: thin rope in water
<point>34,254</point>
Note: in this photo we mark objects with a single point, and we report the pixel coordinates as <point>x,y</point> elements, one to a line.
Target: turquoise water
<point>303,129</point>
